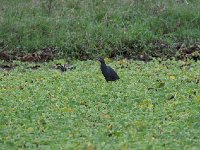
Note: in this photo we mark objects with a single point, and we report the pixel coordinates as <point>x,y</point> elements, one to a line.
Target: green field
<point>153,106</point>
<point>85,29</point>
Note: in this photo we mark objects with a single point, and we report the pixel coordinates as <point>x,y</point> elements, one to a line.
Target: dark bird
<point>108,73</point>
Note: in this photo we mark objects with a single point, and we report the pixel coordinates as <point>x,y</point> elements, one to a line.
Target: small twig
<point>50,6</point>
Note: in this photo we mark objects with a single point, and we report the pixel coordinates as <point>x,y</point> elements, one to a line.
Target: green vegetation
<point>89,28</point>
<point>152,106</point>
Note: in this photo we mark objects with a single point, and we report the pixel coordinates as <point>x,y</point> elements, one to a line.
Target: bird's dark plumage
<point>107,71</point>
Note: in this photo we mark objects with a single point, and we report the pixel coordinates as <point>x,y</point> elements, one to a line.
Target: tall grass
<point>87,28</point>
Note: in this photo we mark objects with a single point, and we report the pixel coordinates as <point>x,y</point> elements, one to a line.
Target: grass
<point>152,106</point>
<point>86,29</point>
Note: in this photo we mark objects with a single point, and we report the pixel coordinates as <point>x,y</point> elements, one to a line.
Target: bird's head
<point>101,60</point>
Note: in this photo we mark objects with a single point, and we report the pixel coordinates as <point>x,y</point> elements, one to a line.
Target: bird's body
<point>108,73</point>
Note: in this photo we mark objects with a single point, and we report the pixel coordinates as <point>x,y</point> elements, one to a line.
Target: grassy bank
<point>85,29</point>
<point>152,106</point>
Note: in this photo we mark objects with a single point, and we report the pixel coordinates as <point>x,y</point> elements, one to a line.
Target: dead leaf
<point>105,116</point>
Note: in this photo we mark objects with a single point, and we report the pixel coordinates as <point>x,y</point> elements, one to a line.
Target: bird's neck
<point>103,65</point>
